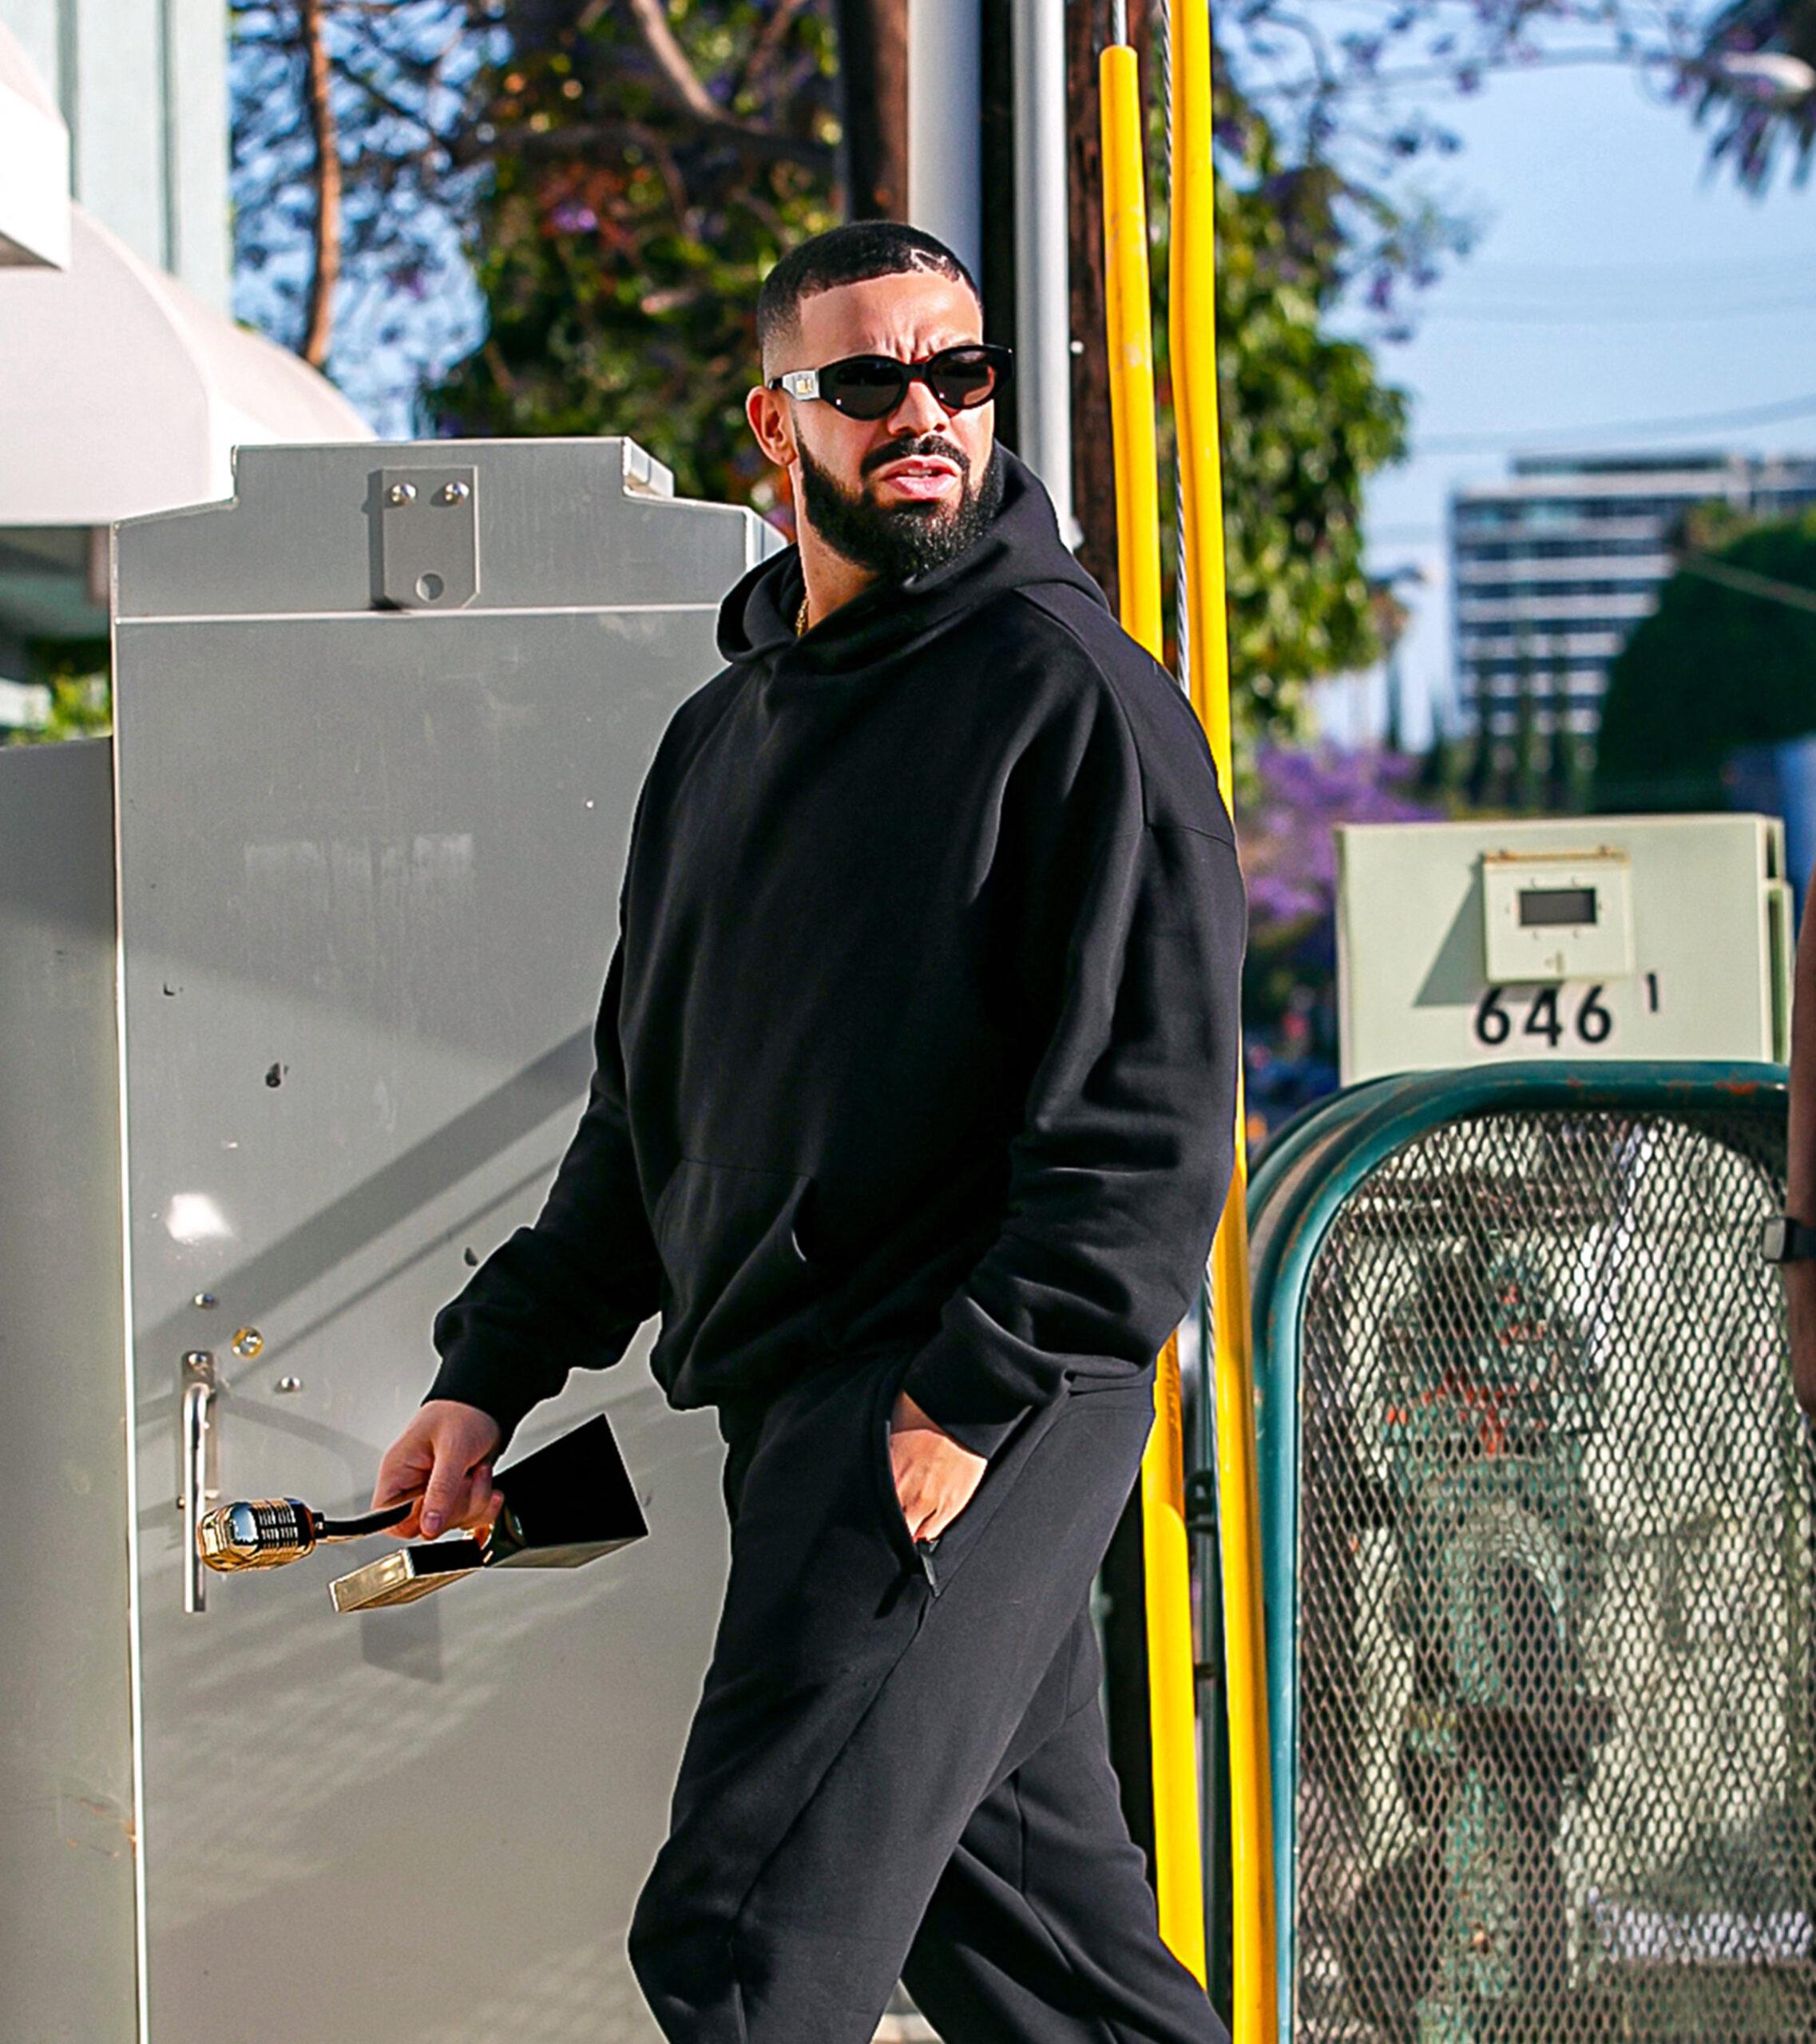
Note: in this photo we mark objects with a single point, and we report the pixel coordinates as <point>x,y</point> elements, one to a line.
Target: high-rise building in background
<point>1552,569</point>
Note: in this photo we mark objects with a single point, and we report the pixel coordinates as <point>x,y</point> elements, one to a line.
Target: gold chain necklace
<point>801,618</point>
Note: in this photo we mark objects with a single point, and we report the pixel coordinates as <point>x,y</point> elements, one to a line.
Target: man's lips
<point>920,475</point>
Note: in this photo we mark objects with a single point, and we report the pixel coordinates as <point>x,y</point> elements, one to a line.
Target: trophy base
<point>567,1503</point>
<point>402,1577</point>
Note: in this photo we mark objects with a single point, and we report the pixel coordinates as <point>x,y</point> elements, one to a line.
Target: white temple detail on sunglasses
<point>870,385</point>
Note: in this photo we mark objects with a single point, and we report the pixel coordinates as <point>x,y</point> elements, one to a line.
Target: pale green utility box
<point>1597,937</point>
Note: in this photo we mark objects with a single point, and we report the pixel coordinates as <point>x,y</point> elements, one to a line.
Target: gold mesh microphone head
<point>267,1532</point>
<point>258,1533</point>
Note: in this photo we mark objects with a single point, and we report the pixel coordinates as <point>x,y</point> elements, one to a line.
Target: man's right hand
<point>442,1459</point>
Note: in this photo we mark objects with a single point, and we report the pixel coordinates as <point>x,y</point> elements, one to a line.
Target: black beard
<point>894,541</point>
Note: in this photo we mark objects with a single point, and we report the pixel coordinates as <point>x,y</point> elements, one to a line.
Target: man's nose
<point>919,411</point>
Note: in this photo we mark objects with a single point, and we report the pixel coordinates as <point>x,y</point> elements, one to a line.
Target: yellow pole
<point>1192,345</point>
<point>1129,305</point>
<point>1166,1550</point>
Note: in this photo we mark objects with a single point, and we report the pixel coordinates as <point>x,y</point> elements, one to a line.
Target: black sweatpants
<point>897,1764</point>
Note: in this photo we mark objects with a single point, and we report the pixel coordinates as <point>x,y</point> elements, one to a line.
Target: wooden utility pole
<point>872,69</point>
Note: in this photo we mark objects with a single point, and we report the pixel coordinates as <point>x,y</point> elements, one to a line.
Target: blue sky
<point>1614,280</point>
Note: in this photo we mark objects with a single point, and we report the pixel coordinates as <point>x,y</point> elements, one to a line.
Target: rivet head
<point>452,492</point>
<point>247,1341</point>
<point>401,492</point>
<point>289,1383</point>
<point>205,1299</point>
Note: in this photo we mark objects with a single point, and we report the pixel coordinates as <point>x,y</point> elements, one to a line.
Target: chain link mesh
<point>1556,1596</point>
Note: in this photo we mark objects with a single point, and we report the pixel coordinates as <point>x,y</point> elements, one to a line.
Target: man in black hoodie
<point>912,1117</point>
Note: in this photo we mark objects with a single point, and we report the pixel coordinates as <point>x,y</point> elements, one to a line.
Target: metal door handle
<point>200,1387</point>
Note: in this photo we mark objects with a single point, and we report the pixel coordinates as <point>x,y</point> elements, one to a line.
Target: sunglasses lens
<point>866,387</point>
<point>869,386</point>
<point>961,377</point>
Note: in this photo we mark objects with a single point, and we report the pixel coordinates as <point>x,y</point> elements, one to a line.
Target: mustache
<point>903,449</point>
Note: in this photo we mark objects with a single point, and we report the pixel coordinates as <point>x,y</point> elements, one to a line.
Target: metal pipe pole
<point>1165,1550</point>
<point>1043,323</point>
<point>1192,349</point>
<point>944,100</point>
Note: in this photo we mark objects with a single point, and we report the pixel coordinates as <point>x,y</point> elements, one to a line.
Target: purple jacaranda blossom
<point>1289,850</point>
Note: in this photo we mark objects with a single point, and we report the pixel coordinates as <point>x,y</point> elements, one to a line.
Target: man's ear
<point>768,419</point>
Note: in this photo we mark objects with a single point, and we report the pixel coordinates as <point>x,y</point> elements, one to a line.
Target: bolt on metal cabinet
<point>379,723</point>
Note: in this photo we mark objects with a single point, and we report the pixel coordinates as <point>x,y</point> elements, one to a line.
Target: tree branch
<point>614,134</point>
<point>651,20</point>
<point>767,44</point>
<point>324,274</point>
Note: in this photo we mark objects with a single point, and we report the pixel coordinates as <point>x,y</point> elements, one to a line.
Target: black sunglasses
<point>872,385</point>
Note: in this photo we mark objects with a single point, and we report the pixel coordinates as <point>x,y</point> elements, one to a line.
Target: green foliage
<point>620,253</point>
<point>1716,666</point>
<point>622,243</point>
<point>1303,422</point>
<point>1758,121</point>
<point>77,672</point>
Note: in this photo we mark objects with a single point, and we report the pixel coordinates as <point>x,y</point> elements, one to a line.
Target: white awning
<point>121,393</point>
<point>34,165</point>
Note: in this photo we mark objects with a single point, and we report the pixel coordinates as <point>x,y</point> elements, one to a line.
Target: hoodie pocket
<point>737,1273</point>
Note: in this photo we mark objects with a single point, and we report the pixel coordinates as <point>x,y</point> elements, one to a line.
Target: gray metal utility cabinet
<point>380,721</point>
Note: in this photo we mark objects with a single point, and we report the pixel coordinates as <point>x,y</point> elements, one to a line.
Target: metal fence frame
<point>1308,1172</point>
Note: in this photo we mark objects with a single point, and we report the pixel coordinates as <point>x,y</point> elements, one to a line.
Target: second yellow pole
<point>1192,349</point>
<point>1166,1550</point>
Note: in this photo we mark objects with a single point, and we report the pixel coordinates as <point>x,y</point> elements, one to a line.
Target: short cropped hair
<point>847,255</point>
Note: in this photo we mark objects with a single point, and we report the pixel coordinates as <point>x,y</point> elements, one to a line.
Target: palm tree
<point>1756,79</point>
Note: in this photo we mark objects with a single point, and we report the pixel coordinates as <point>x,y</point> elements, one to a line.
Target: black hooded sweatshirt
<point>921,1022</point>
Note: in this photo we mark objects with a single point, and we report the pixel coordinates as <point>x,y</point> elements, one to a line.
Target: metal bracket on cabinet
<point>425,538</point>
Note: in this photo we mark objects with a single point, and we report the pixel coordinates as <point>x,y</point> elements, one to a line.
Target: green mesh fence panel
<point>1556,1584</point>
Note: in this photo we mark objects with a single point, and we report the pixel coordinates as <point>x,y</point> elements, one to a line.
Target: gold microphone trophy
<point>569,1502</point>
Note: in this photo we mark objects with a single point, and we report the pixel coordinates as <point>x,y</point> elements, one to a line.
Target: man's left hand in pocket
<point>934,1476</point>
